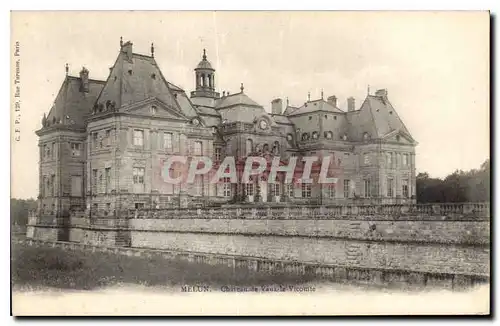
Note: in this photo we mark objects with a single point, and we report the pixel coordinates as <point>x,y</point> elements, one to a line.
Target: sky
<point>435,66</point>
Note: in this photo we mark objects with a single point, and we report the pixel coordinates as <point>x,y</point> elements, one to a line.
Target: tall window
<point>331,190</point>
<point>347,188</point>
<point>168,143</point>
<point>108,137</point>
<point>94,139</point>
<point>366,158</point>
<point>226,190</point>
<point>405,159</point>
<point>367,188</point>
<point>138,137</point>
<point>198,148</point>
<point>42,186</point>
<point>100,181</point>
<point>290,190</point>
<point>249,147</point>
<point>48,191</point>
<point>390,187</point>
<point>53,184</point>
<point>48,152</point>
<point>389,160</point>
<point>138,175</point>
<point>275,189</point>
<point>76,186</point>
<point>75,149</point>
<point>198,185</point>
<point>306,190</point>
<point>218,154</point>
<point>94,180</point>
<point>107,177</point>
<point>44,152</point>
<point>249,189</point>
<point>405,188</point>
<point>53,150</point>
<point>276,148</point>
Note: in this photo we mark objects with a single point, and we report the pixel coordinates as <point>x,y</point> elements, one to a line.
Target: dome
<point>204,63</point>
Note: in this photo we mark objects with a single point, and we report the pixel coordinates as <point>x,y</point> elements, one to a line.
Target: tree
<point>19,209</point>
<point>460,186</point>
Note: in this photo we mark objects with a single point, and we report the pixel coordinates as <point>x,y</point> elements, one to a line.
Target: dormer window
<point>289,137</point>
<point>366,136</point>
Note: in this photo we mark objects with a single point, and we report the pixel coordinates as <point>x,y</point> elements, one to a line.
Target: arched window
<point>203,80</point>
<point>249,147</point>
<point>315,135</point>
<point>276,147</point>
<point>209,80</point>
<point>366,136</point>
<point>305,136</point>
<point>266,148</point>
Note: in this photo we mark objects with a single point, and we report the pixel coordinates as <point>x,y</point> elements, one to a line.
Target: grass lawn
<point>39,267</point>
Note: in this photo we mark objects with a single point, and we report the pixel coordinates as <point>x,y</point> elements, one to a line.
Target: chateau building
<point>103,143</point>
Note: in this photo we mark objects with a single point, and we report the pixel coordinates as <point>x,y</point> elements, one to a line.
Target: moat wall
<point>456,244</point>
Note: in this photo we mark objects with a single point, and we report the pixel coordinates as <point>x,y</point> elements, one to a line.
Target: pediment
<point>153,107</point>
<point>398,136</point>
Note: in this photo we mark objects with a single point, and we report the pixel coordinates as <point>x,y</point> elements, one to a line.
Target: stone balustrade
<point>399,212</point>
<point>451,211</point>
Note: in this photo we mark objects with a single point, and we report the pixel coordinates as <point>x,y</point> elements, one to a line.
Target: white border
<point>492,5</point>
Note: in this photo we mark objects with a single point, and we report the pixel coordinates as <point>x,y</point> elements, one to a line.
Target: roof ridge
<point>178,108</point>
<point>90,79</point>
<point>142,55</point>
<point>373,117</point>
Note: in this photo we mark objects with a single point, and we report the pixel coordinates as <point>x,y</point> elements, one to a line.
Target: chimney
<point>277,106</point>
<point>127,48</point>
<point>351,104</point>
<point>381,93</point>
<point>84,79</point>
<point>332,100</point>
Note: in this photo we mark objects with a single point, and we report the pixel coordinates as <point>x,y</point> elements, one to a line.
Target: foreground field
<point>51,281</point>
<point>38,268</point>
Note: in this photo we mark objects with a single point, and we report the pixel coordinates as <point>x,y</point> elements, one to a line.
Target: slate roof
<point>376,116</point>
<point>385,117</point>
<point>72,105</point>
<point>240,107</point>
<point>289,109</point>
<point>281,119</point>
<point>138,77</point>
<point>235,99</point>
<point>205,110</point>
<point>313,106</point>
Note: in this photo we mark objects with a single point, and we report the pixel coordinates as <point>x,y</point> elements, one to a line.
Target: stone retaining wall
<point>330,272</point>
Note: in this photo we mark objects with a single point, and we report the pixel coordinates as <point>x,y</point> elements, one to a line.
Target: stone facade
<point>103,143</point>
